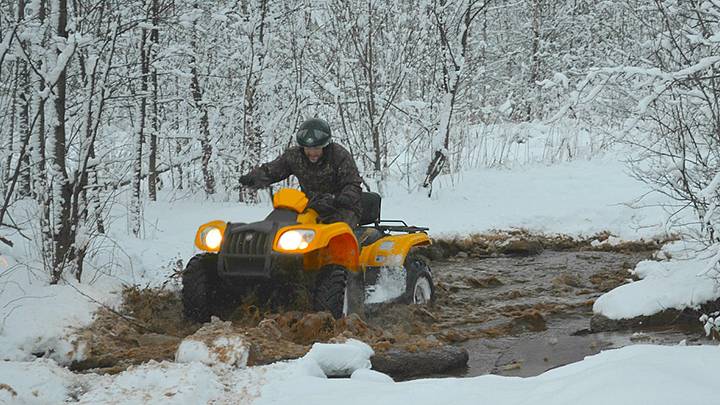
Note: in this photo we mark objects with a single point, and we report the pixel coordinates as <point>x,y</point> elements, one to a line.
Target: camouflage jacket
<point>335,173</point>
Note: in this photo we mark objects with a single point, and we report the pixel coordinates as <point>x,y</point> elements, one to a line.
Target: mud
<point>150,326</point>
<point>523,242</point>
<point>515,305</point>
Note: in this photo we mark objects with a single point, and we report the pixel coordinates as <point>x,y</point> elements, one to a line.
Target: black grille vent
<point>248,243</point>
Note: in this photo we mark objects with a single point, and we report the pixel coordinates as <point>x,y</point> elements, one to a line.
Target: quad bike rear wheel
<point>420,289</point>
<point>200,284</point>
<point>330,291</point>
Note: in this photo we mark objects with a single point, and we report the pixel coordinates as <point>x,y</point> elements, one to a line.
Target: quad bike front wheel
<point>419,289</point>
<point>200,283</point>
<point>330,288</point>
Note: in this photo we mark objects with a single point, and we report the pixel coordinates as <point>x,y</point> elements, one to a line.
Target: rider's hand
<point>247,180</point>
<point>344,201</point>
<point>322,203</point>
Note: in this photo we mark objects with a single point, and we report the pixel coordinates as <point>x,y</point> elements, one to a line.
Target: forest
<point>108,103</point>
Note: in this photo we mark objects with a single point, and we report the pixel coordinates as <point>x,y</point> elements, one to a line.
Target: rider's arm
<point>350,182</point>
<point>271,172</point>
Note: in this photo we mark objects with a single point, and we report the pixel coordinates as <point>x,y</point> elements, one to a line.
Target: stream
<point>524,315</point>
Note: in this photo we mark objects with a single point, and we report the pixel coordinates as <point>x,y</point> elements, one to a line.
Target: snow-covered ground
<point>640,374</point>
<point>580,198</point>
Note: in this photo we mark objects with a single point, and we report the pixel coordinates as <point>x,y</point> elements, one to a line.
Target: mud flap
<point>355,294</point>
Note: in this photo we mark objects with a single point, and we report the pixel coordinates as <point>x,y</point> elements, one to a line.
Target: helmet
<point>314,133</point>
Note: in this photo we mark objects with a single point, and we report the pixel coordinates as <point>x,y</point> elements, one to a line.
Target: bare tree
<point>253,132</point>
<point>673,84</point>
<point>453,22</point>
<point>61,231</point>
<point>154,117</point>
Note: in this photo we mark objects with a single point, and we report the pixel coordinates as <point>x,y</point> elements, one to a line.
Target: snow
<point>35,317</point>
<point>157,383</point>
<point>227,350</point>
<point>630,375</point>
<point>341,359</point>
<point>364,374</point>
<point>38,382</point>
<point>678,283</point>
<point>713,187</point>
<point>579,198</point>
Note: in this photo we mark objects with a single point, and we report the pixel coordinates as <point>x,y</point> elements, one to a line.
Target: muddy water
<point>521,316</point>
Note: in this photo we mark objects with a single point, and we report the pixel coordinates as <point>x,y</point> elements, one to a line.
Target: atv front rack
<point>399,228</point>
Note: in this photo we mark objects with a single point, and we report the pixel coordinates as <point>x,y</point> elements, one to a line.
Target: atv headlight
<point>295,239</point>
<point>212,237</point>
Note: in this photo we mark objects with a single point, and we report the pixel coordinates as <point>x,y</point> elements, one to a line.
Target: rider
<point>326,171</point>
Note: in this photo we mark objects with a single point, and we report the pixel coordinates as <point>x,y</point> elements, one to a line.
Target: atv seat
<point>370,205</point>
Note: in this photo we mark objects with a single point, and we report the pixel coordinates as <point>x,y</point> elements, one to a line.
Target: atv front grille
<point>248,242</point>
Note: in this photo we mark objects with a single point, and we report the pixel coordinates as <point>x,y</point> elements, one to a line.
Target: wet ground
<point>516,315</point>
<point>521,316</point>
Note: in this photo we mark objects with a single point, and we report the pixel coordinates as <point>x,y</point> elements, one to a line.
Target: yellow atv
<point>340,273</point>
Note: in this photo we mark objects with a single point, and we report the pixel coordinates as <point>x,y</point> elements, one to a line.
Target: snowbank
<point>341,359</point>
<point>38,382</point>
<point>157,383</point>
<point>215,343</point>
<point>677,283</point>
<point>632,375</point>
<point>36,317</point>
<point>578,198</point>
<point>659,375</point>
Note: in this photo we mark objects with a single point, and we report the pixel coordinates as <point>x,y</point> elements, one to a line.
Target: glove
<point>344,201</point>
<point>247,180</point>
<point>322,203</point>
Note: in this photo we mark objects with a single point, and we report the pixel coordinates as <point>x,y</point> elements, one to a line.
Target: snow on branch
<point>712,188</point>
<point>53,75</point>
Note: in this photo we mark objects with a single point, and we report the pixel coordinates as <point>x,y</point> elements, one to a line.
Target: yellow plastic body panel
<point>291,199</point>
<point>221,225</point>
<point>333,244</point>
<point>391,250</point>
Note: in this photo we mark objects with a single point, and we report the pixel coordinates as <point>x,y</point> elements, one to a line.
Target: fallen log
<point>403,364</point>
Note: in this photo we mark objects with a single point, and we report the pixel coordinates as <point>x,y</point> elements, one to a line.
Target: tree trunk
<point>208,177</point>
<point>251,139</point>
<point>535,67</point>
<point>23,77</point>
<point>38,157</point>
<point>62,230</point>
<point>452,69</point>
<point>253,131</point>
<point>9,145</point>
<point>373,120</point>
<point>179,143</point>
<point>451,73</point>
<point>152,149</point>
<point>136,206</point>
<point>202,108</point>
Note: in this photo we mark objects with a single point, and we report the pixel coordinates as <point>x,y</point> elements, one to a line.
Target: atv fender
<point>391,250</point>
<point>333,244</point>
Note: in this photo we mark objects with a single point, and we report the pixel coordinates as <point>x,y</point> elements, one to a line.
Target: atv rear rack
<point>399,228</point>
